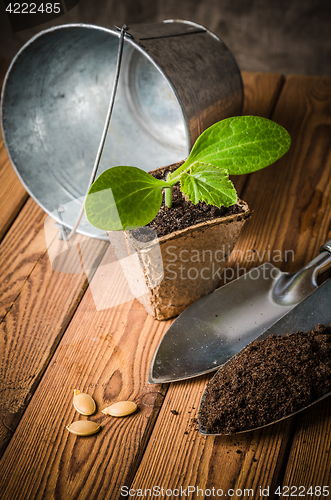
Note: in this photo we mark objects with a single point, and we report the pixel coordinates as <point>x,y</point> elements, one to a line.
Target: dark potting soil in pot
<point>267,381</point>
<point>182,215</point>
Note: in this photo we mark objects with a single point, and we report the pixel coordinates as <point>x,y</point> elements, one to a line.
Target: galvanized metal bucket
<point>177,78</point>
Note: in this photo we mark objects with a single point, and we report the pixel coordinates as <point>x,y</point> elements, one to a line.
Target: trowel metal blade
<point>315,309</point>
<point>219,325</point>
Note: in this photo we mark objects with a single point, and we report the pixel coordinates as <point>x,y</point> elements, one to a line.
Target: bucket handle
<point>63,234</point>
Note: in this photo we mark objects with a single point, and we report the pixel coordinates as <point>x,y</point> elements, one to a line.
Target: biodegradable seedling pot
<point>169,273</point>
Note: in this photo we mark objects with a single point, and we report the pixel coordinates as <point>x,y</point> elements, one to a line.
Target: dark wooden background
<point>286,36</point>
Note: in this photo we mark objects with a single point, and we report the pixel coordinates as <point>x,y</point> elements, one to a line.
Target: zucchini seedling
<point>124,197</point>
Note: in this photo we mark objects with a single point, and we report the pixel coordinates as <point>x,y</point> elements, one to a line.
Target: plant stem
<point>175,175</point>
<point>168,197</point>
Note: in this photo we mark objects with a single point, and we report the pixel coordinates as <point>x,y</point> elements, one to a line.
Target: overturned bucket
<point>177,78</point>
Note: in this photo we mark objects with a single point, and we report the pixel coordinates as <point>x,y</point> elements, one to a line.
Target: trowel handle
<point>307,277</point>
<point>326,247</point>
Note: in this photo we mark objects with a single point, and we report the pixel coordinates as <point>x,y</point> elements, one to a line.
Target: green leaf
<point>208,183</point>
<point>123,198</point>
<point>240,145</point>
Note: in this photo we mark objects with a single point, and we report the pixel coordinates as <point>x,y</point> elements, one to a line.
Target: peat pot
<point>169,273</point>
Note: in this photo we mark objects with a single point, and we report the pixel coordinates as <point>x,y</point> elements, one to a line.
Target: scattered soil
<point>182,214</point>
<point>268,380</point>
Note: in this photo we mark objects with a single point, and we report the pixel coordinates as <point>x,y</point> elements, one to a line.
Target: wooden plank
<point>290,201</point>
<point>292,195</point>
<point>12,193</point>
<point>28,233</point>
<point>38,303</point>
<point>4,65</point>
<point>108,354</point>
<point>177,455</point>
<point>312,439</point>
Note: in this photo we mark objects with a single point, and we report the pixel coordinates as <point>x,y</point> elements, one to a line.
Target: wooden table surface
<point>53,340</point>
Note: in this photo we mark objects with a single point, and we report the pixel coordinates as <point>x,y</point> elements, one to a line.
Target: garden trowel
<point>219,325</point>
<point>314,310</point>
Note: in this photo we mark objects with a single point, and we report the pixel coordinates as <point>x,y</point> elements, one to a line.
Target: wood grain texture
<point>311,445</point>
<point>312,225</point>
<point>289,201</point>
<point>291,198</point>
<point>4,65</point>
<point>37,305</point>
<point>106,353</point>
<point>261,91</point>
<point>12,193</point>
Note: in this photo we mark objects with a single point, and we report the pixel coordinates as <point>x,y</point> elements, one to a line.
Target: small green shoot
<point>125,197</point>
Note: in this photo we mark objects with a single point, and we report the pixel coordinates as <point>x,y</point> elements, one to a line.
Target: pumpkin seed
<point>83,403</point>
<point>83,427</point>
<point>120,409</point>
